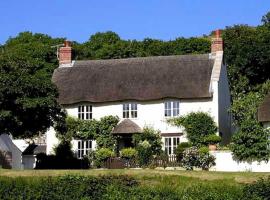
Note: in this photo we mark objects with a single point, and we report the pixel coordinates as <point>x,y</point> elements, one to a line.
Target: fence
<point>158,161</point>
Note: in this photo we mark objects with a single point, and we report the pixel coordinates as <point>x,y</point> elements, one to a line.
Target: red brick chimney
<point>217,42</point>
<point>65,53</point>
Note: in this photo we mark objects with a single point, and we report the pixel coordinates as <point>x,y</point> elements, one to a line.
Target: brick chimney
<point>65,53</point>
<point>217,42</point>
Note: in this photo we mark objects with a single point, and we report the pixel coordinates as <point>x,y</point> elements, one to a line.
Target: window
<point>171,108</point>
<point>130,110</point>
<point>85,112</point>
<point>84,146</point>
<point>171,144</point>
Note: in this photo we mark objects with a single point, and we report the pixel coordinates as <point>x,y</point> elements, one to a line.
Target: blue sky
<point>131,19</point>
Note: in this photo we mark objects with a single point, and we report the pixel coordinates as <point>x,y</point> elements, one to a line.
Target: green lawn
<point>142,174</point>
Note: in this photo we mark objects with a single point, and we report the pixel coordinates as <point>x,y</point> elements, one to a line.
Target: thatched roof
<point>148,78</point>
<point>126,127</point>
<point>264,110</point>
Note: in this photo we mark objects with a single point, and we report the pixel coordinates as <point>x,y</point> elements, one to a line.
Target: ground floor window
<point>84,146</point>
<point>170,144</point>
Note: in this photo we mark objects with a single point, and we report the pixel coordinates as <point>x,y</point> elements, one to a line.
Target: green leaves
<point>251,142</point>
<point>197,125</point>
<point>100,130</point>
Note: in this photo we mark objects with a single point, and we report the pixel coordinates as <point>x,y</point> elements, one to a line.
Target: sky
<point>131,19</point>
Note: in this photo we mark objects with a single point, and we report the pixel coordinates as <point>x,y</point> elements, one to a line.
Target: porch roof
<point>126,127</point>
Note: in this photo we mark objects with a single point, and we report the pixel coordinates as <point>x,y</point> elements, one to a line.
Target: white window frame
<point>83,147</point>
<point>130,110</point>
<point>85,112</point>
<point>170,144</point>
<point>171,108</point>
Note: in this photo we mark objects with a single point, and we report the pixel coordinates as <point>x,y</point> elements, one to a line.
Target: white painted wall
<point>225,162</point>
<point>150,113</point>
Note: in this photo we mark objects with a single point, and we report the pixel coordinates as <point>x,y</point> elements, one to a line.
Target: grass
<point>152,184</point>
<point>144,174</point>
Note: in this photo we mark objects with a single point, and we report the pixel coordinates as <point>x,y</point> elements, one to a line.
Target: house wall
<point>150,113</point>
<point>224,162</point>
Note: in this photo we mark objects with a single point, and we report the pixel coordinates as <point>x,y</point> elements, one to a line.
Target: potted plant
<point>212,141</point>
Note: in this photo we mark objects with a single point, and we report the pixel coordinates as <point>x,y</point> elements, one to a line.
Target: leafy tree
<point>197,125</point>
<point>28,103</point>
<point>245,54</point>
<point>251,142</point>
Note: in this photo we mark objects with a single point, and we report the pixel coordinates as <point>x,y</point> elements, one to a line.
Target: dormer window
<point>85,112</point>
<point>171,108</point>
<point>130,110</point>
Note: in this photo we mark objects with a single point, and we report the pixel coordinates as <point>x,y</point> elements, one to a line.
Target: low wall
<point>225,162</point>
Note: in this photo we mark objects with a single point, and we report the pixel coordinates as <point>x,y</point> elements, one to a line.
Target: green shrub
<point>148,144</point>
<point>212,139</point>
<point>197,125</point>
<point>128,153</point>
<point>251,142</point>
<point>180,149</point>
<point>203,150</point>
<point>258,190</point>
<point>200,158</point>
<point>101,155</point>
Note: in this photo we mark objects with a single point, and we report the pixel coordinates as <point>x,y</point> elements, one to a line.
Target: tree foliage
<point>251,142</point>
<point>197,126</point>
<point>28,103</point>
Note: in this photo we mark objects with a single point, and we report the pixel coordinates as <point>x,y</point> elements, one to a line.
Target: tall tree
<point>28,99</point>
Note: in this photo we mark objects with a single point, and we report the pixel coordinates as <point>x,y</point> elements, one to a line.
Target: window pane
<point>90,144</point>
<point>86,144</point>
<point>166,141</point>
<point>90,116</point>
<point>82,115</point>
<point>175,104</point>
<point>79,144</point>
<point>169,141</point>
<point>82,108</point>
<point>87,108</point>
<point>174,141</point>
<point>87,116</point>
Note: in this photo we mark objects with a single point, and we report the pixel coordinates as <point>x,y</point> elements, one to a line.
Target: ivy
<point>99,130</point>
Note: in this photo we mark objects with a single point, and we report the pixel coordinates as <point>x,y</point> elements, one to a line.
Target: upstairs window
<point>171,108</point>
<point>130,110</point>
<point>85,112</point>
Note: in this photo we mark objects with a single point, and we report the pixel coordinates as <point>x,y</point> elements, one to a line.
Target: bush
<point>128,153</point>
<point>251,142</point>
<point>62,188</point>
<point>258,190</point>
<point>145,154</point>
<point>212,139</point>
<point>64,158</point>
<point>200,158</point>
<point>180,149</point>
<point>197,125</point>
<point>101,155</point>
<point>148,143</point>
